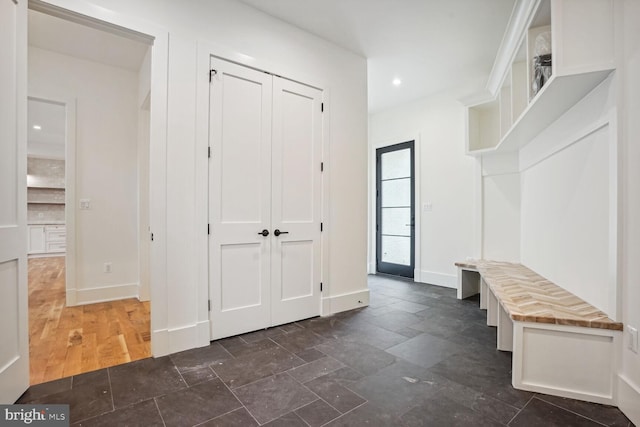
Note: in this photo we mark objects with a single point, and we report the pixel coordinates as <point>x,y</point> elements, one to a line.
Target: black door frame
<point>386,267</point>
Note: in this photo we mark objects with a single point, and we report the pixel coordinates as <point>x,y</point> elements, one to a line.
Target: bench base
<point>567,361</point>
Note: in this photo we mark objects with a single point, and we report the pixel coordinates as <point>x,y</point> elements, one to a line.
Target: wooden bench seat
<point>561,344</point>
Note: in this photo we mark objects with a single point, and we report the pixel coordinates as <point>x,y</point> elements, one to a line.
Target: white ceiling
<point>70,38</point>
<point>431,45</point>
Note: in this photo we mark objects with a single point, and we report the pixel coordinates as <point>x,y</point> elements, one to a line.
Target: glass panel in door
<point>395,189</point>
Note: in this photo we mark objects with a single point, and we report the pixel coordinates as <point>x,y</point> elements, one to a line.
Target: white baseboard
<point>344,302</point>
<point>371,268</point>
<point>174,340</point>
<point>204,333</point>
<point>144,292</point>
<point>438,279</point>
<point>628,398</point>
<point>160,343</point>
<point>47,255</point>
<point>103,294</point>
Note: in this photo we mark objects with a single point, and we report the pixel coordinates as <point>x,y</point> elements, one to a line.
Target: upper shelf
<point>46,186</point>
<point>554,99</point>
<point>580,36</point>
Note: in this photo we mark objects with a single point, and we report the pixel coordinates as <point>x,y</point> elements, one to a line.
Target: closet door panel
<point>296,201</point>
<point>239,199</point>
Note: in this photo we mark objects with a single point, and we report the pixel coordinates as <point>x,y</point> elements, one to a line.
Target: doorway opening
<point>88,195</point>
<point>395,209</point>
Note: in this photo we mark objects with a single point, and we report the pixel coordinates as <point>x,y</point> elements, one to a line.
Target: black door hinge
<point>211,74</point>
<point>320,286</point>
<point>322,107</point>
<point>321,166</point>
<point>321,227</point>
<point>209,304</point>
<point>208,228</point>
<point>152,237</point>
<point>209,152</point>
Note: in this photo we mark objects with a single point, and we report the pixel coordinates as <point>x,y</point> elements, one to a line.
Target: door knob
<point>278,232</point>
<point>265,232</point>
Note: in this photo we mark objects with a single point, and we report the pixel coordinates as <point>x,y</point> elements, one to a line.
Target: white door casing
<point>239,198</point>
<point>296,201</point>
<point>14,337</point>
<point>264,174</point>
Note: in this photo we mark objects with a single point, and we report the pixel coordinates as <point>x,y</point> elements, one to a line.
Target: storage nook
<point>545,140</point>
<point>582,54</point>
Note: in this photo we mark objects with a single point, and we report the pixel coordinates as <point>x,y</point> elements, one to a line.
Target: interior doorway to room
<point>395,210</point>
<point>87,196</point>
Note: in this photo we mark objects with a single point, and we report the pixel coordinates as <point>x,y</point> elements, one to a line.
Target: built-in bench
<point>561,344</point>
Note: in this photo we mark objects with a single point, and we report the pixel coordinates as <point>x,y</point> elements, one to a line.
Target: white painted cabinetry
<point>583,55</point>
<point>37,243</point>
<point>47,239</point>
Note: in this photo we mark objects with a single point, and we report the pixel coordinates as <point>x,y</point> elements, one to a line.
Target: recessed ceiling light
<point>37,127</point>
<point>396,82</point>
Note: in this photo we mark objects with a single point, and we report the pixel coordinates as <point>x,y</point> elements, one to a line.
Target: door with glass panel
<point>395,199</point>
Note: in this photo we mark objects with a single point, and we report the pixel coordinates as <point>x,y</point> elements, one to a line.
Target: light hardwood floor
<point>65,341</point>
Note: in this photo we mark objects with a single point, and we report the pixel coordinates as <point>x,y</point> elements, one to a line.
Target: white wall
<point>629,93</point>
<point>446,181</point>
<point>106,168</point>
<point>247,36</point>
<point>568,187</point>
<point>501,217</point>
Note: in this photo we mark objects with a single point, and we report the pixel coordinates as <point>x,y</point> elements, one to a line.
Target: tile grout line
<point>220,416</point>
<point>155,402</point>
<point>346,413</point>
<point>569,410</point>
<point>521,409</point>
<point>347,388</point>
<point>238,399</point>
<point>113,403</point>
<point>315,394</point>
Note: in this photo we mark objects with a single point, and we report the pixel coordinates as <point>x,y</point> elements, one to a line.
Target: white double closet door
<point>264,175</point>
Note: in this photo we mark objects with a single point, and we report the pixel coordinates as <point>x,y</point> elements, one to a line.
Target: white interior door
<point>239,199</point>
<point>296,198</point>
<point>14,337</point>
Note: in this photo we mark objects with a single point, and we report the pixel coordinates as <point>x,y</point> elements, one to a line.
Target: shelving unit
<point>582,39</point>
<point>46,207</point>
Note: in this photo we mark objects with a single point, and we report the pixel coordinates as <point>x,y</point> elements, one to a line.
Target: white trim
<point>133,27</point>
<point>182,338</point>
<point>345,302</point>
<point>528,163</point>
<point>415,137</point>
<point>103,294</point>
<point>325,236</point>
<point>438,279</point>
<point>521,16</point>
<point>628,398</point>
<point>201,214</point>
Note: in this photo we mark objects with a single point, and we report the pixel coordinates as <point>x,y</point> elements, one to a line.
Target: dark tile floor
<point>416,356</point>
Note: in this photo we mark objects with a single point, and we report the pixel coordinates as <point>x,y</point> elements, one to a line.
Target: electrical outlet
<point>85,204</point>
<point>107,267</point>
<point>632,343</point>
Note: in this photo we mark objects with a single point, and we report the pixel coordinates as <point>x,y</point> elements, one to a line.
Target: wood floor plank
<point>66,341</point>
